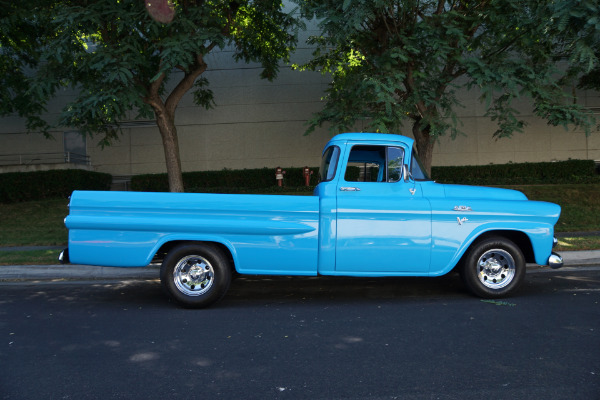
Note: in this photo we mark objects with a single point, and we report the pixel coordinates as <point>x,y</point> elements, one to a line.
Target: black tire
<point>195,275</point>
<point>493,268</point>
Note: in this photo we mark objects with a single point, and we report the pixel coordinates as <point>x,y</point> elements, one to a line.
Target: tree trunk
<point>168,132</point>
<point>165,119</point>
<point>424,144</point>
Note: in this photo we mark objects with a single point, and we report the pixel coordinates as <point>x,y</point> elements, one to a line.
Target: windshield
<point>416,169</point>
<point>329,163</point>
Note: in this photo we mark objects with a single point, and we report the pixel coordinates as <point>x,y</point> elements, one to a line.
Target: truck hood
<point>481,192</point>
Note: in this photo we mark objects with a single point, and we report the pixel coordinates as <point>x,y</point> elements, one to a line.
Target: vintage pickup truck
<point>375,213</point>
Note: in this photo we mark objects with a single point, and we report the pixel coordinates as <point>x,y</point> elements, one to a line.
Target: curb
<point>578,258</point>
<point>91,272</point>
<point>75,272</point>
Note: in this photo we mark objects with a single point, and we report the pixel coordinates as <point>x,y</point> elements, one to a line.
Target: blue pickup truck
<point>375,213</point>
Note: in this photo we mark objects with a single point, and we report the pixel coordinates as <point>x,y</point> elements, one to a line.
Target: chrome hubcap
<point>496,268</point>
<point>193,275</point>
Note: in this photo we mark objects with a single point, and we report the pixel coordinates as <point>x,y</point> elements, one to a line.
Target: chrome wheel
<point>196,274</point>
<point>496,268</point>
<point>193,275</point>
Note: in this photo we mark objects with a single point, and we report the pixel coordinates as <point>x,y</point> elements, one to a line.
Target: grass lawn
<point>34,223</point>
<point>34,257</point>
<point>578,243</point>
<point>580,204</point>
<point>40,223</point>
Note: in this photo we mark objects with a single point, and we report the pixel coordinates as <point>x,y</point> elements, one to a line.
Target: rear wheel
<point>493,268</point>
<point>195,275</point>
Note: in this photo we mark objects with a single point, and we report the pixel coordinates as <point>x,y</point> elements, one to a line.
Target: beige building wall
<point>258,124</point>
<point>539,141</point>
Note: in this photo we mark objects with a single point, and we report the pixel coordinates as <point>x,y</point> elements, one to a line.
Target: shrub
<point>263,180</point>
<point>561,172</point>
<point>24,186</point>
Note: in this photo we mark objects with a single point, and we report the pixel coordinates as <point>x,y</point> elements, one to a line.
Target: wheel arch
<point>166,247</point>
<point>520,239</point>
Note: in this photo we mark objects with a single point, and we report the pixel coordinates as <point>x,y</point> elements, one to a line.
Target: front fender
<point>540,239</point>
<point>458,222</point>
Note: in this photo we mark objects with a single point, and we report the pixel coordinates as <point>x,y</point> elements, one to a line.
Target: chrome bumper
<point>63,257</point>
<point>555,261</point>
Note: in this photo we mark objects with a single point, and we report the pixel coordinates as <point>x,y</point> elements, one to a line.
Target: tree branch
<point>503,48</point>
<point>440,7</point>
<point>184,85</point>
<point>409,82</point>
<point>153,98</point>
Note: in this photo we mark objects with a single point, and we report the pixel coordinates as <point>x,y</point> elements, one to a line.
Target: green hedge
<point>24,186</point>
<point>263,180</point>
<point>213,181</point>
<point>561,172</point>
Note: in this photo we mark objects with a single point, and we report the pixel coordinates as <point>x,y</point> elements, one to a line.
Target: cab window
<point>374,164</point>
<point>365,164</point>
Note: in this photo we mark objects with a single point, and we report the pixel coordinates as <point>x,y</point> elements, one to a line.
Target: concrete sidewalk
<point>88,272</point>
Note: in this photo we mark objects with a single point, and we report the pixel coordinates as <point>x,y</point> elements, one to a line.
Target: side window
<point>366,164</point>
<point>329,164</point>
<point>416,169</point>
<point>395,159</point>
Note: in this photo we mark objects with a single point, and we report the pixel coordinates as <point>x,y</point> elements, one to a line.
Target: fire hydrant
<point>306,173</point>
<point>279,176</point>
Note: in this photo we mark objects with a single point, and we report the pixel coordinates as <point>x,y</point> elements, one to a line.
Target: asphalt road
<point>303,338</point>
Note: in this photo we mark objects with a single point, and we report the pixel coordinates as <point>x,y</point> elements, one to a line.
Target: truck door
<point>383,222</point>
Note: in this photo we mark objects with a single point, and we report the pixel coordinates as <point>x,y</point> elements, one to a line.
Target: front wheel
<point>493,268</point>
<point>195,275</point>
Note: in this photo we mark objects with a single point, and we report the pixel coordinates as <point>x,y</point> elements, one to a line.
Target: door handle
<point>349,189</point>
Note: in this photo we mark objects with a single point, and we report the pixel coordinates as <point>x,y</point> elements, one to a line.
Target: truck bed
<point>265,234</point>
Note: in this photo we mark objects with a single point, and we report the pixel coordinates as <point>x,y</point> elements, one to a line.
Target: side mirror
<point>405,172</point>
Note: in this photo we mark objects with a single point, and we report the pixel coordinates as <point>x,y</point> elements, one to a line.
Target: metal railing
<point>44,158</point>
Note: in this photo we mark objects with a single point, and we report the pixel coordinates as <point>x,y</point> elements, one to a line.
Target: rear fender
<point>171,241</point>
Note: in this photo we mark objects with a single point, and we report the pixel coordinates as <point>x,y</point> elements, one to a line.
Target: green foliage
<point>22,39</point>
<point>119,59</point>
<point>590,80</point>
<point>224,181</point>
<point>26,186</point>
<point>398,62</point>
<point>581,20</point>
<point>123,64</point>
<point>562,172</point>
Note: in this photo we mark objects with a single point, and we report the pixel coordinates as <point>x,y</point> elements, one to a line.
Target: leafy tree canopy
<point>122,56</point>
<point>395,62</point>
<point>22,38</point>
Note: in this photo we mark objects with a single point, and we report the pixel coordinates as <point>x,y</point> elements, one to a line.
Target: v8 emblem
<point>461,220</point>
